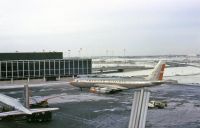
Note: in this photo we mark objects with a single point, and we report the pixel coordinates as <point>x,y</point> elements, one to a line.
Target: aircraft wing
<point>112,87</point>
<point>14,103</point>
<point>17,112</point>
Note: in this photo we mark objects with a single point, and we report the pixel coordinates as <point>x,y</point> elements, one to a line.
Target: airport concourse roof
<point>31,56</point>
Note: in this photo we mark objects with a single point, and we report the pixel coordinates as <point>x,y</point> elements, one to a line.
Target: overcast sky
<point>141,27</point>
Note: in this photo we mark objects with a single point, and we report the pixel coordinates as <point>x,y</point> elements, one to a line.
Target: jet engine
<point>100,90</point>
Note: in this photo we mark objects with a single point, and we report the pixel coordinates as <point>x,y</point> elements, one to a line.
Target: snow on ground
<point>173,71</point>
<point>12,86</point>
<point>110,65</point>
<point>192,79</point>
<point>182,71</point>
<point>132,73</point>
<point>187,74</point>
<point>65,98</point>
<point>145,64</point>
<point>145,59</point>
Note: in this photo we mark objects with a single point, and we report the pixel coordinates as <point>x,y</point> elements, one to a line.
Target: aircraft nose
<point>71,82</point>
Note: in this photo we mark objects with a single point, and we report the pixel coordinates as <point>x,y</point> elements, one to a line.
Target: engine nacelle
<point>100,90</point>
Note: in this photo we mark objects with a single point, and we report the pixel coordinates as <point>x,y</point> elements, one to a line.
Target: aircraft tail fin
<point>158,71</point>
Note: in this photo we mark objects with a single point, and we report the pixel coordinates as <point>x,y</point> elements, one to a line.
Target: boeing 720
<point>111,85</point>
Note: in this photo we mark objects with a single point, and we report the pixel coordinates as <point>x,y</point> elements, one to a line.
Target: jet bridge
<point>139,108</point>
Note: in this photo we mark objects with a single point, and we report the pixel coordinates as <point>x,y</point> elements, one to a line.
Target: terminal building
<point>41,65</point>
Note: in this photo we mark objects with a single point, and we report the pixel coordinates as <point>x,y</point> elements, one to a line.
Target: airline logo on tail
<point>162,72</point>
<point>158,71</point>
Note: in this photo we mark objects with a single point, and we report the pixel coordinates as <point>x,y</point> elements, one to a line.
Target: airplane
<point>12,109</point>
<point>112,85</point>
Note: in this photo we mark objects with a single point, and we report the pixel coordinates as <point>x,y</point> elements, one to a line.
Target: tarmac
<point>80,109</point>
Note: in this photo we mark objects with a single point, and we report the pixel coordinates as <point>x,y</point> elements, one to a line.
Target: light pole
<point>79,52</point>
<point>124,50</point>
<point>106,53</point>
<point>69,52</point>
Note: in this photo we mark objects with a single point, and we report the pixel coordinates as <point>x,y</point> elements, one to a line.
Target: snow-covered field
<point>114,64</point>
<point>169,72</point>
<point>185,74</point>
<point>153,58</point>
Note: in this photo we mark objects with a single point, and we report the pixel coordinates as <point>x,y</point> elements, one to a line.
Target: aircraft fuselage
<point>123,83</point>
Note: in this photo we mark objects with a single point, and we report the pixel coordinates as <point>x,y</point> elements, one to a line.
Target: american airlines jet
<point>111,85</point>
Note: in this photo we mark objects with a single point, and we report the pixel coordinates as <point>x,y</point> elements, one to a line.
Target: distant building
<point>41,65</point>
